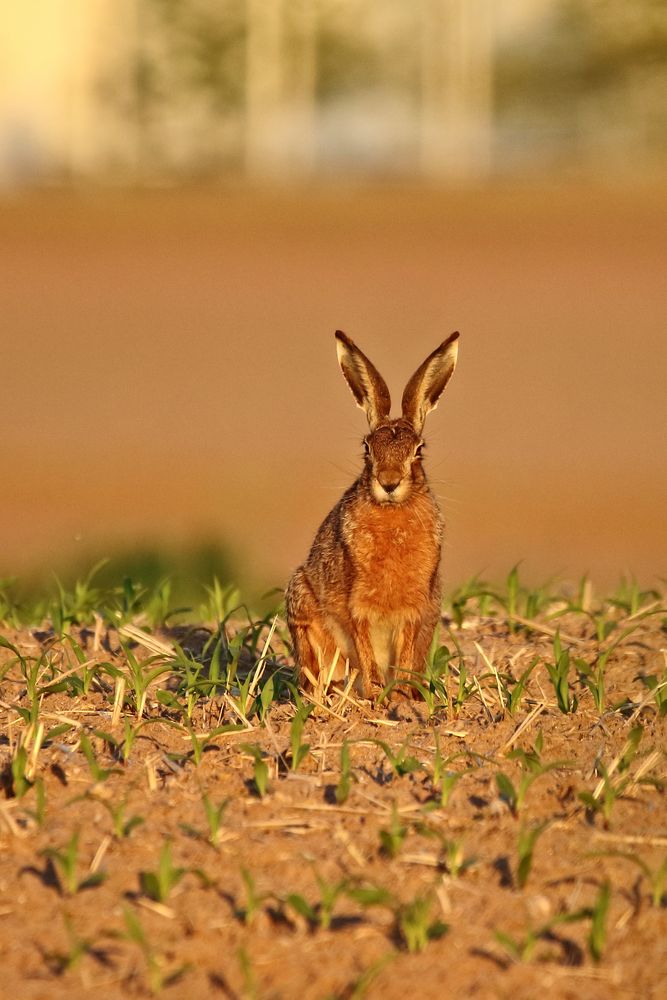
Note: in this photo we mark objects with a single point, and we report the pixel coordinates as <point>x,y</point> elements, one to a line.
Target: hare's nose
<point>389,487</point>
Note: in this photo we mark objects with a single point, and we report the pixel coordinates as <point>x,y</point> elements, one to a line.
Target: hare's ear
<point>427,384</point>
<point>367,385</point>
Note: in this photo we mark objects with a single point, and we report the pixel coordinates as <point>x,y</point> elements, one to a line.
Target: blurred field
<point>169,370</point>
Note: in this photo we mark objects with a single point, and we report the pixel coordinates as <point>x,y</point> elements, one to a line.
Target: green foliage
<point>261,771</point>
<point>598,932</point>
<point>347,775</point>
<point>559,672</point>
<point>391,838</point>
<point>299,750</point>
<point>528,836</point>
<point>401,762</point>
<point>66,865</point>
<point>414,923</point>
<point>159,884</point>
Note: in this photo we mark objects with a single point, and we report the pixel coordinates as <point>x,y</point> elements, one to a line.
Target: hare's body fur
<point>369,591</point>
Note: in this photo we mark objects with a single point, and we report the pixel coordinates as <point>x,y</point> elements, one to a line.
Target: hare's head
<point>393,448</point>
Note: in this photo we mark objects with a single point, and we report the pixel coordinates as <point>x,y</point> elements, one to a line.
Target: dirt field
<point>410,880</point>
<point>169,370</point>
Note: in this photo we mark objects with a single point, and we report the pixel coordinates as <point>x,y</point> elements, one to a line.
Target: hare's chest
<point>396,554</point>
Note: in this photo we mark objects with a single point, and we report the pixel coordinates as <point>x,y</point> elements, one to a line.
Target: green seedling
<point>20,781</point>
<point>299,750</point>
<point>614,779</point>
<point>122,825</point>
<point>64,961</point>
<point>358,989</point>
<point>456,862</point>
<point>253,899</point>
<point>415,926</point>
<point>656,877</point>
<point>532,767</point>
<point>222,602</point>
<point>98,774</point>
<point>347,775</point>
<point>629,598</point>
<point>140,678</point>
<point>200,743</point>
<point>66,864</point>
<point>158,885</point>
<point>78,607</point>
<point>598,932</point>
<point>260,769</point>
<point>156,975</point>
<point>391,839</point>
<point>38,814</point>
<point>528,837</point>
<point>559,672</point>
<point>522,949</point>
<point>401,762</point>
<point>475,590</point>
<point>247,971</point>
<point>319,915</point>
<point>513,695</point>
<point>214,817</point>
<point>659,688</point>
<point>444,781</point>
<point>432,684</point>
<point>452,854</point>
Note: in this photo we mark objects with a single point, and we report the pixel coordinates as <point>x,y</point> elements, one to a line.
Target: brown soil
<point>297,832</point>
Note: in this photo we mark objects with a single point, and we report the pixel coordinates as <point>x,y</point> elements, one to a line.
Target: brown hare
<point>370,586</point>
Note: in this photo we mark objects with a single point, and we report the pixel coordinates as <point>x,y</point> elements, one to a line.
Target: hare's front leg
<point>314,646</point>
<point>412,646</point>
<point>361,637</point>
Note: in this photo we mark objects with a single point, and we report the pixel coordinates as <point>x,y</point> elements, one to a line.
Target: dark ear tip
<point>343,338</point>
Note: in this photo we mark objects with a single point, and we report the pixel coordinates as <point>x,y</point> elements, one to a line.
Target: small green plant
<point>38,814</point>
<point>64,961</point>
<point>391,839</point>
<point>253,899</point>
<point>65,861</point>
<point>559,672</point>
<point>347,775</point>
<point>659,688</point>
<point>260,769</point>
<point>98,774</point>
<point>656,877</point>
<point>299,750</point>
<point>214,816</point>
<point>401,762</point>
<point>598,932</point>
<point>528,836</point>
<point>414,924</point>
<point>156,974</point>
<point>122,825</point>
<point>319,914</point>
<point>512,696</point>
<point>522,949</point>
<point>140,678</point>
<point>158,884</point>
<point>20,781</point>
<point>444,781</point>
<point>614,779</point>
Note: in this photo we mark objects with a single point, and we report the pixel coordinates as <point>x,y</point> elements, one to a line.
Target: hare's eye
<point>419,450</point>
<point>367,448</point>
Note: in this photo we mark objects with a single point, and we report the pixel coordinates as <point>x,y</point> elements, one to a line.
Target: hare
<point>370,587</point>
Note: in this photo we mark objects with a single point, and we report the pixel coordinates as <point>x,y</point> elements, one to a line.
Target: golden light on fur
<point>367,597</point>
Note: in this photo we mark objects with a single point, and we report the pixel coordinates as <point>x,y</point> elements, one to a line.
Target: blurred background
<point>194,194</point>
